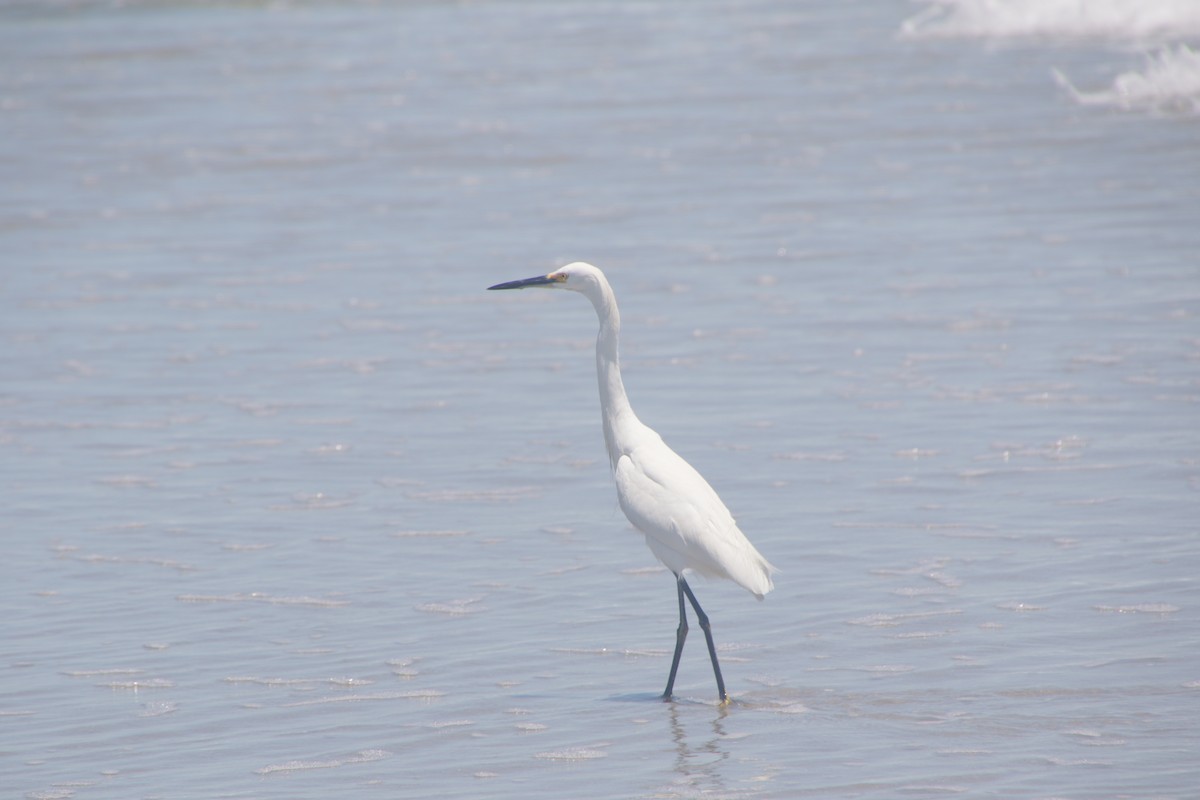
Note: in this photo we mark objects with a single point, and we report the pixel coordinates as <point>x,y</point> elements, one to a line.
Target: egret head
<point>576,277</point>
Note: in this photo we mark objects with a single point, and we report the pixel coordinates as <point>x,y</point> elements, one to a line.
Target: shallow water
<point>295,508</point>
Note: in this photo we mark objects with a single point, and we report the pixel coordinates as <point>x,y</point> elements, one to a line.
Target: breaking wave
<point>1167,82</point>
<point>1124,20</point>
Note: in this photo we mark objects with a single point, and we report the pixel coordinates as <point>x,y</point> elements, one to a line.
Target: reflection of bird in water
<point>685,523</point>
<point>700,758</point>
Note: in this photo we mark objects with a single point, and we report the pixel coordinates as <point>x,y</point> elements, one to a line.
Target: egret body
<point>686,525</point>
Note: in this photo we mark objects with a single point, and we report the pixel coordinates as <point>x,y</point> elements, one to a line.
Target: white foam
<point>365,757</point>
<point>575,754</point>
<point>1125,20</point>
<point>1170,82</point>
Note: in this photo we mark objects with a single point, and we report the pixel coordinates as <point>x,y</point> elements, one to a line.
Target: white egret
<point>685,523</point>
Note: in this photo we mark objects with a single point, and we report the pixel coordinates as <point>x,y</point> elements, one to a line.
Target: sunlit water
<point>293,508</point>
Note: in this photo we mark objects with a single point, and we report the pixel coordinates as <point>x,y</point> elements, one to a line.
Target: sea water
<point>294,508</point>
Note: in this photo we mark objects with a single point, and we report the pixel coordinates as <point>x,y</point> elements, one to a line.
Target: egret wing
<point>685,523</point>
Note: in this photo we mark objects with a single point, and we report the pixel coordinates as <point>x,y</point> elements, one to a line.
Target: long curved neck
<point>615,411</point>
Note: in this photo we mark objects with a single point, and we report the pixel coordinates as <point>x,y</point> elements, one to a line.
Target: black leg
<point>680,636</point>
<point>704,626</point>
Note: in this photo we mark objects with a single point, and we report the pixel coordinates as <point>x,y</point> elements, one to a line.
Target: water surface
<point>294,508</point>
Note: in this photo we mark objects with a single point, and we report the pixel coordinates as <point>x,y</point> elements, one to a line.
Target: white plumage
<point>686,525</point>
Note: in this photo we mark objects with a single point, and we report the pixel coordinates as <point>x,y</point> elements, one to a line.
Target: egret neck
<point>615,411</point>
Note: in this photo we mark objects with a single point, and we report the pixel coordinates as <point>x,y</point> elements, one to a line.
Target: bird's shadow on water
<point>675,700</point>
<point>679,702</point>
<point>637,697</point>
